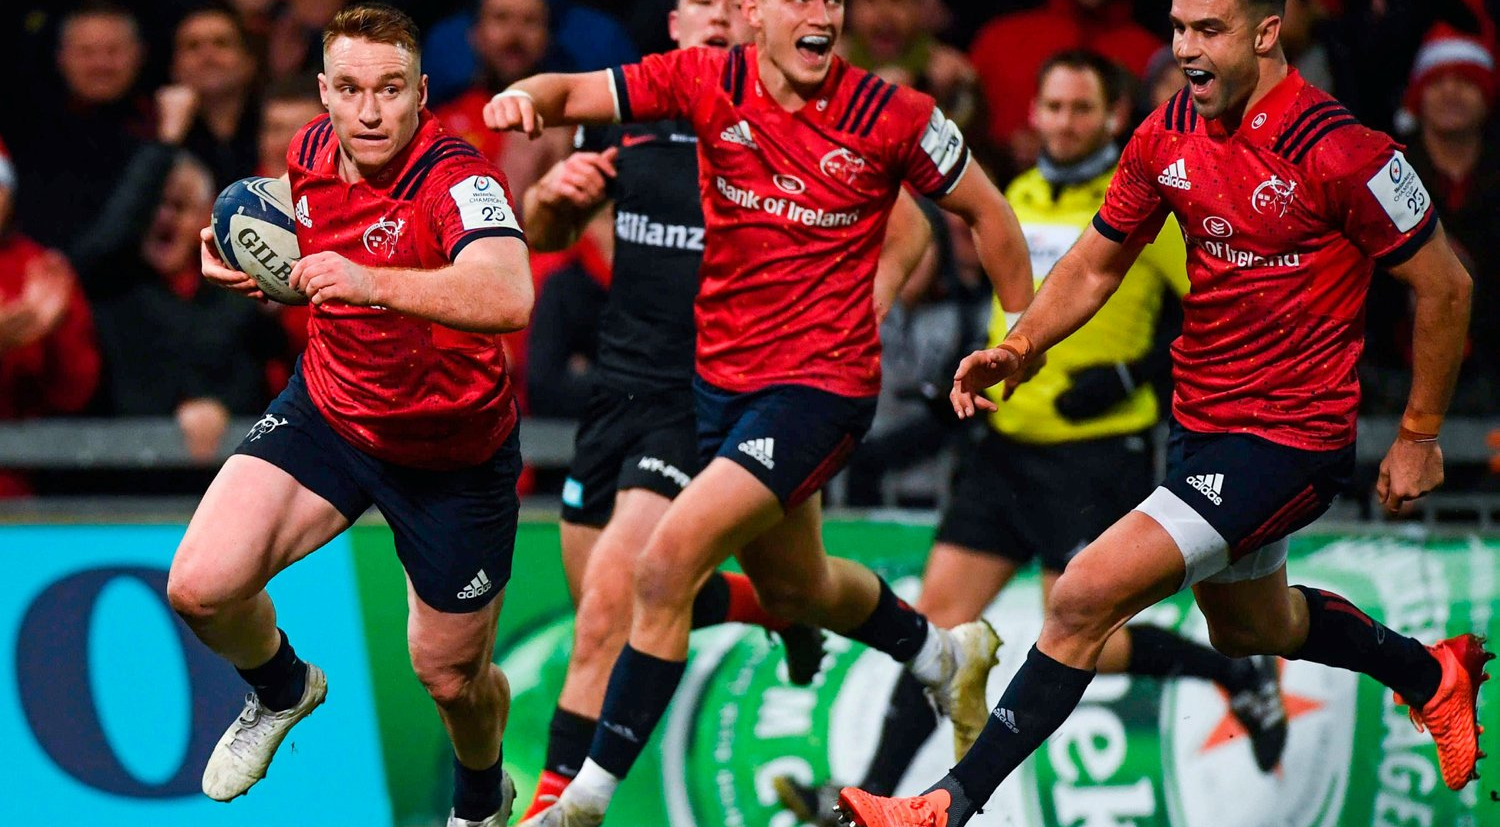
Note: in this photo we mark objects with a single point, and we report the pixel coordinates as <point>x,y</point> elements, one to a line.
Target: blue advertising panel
<point>109,706</point>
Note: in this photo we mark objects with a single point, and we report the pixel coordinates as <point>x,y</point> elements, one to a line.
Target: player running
<point>801,158</point>
<point>1287,203</point>
<point>637,444</point>
<point>1067,454</point>
<point>414,263</point>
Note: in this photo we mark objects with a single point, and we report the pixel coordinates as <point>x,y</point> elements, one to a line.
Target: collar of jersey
<point>326,164</point>
<point>1274,106</point>
<point>758,97</point>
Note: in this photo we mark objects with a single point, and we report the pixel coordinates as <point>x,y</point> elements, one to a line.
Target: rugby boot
<point>969,653</point>
<point>938,807</point>
<point>548,788</point>
<point>811,803</point>
<point>804,652</point>
<point>244,751</point>
<point>502,816</point>
<point>564,813</point>
<point>1450,715</point>
<point>1260,708</point>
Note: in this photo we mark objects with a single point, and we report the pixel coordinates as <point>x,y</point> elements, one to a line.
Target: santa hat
<point>7,169</point>
<point>1447,51</point>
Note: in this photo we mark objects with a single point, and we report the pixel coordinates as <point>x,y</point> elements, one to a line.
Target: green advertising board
<point>1136,752</point>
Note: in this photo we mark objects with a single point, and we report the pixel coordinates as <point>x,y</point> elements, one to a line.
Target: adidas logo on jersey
<point>760,450</point>
<point>1175,176</point>
<point>303,217</point>
<point>478,587</point>
<point>1209,485</point>
<point>739,134</point>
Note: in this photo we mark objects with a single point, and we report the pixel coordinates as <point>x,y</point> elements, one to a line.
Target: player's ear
<point>323,89</point>
<point>672,31</point>
<point>1267,35</point>
<point>751,10</point>
<point>422,88</point>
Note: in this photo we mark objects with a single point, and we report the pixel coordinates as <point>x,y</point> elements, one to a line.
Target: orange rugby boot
<point>1450,716</point>
<point>861,809</point>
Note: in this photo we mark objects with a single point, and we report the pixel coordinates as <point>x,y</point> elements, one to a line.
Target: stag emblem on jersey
<point>380,238</point>
<point>842,165</point>
<point>1273,196</point>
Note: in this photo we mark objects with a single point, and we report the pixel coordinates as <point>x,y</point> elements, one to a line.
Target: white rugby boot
<point>565,813</point>
<point>501,816</point>
<point>244,751</point>
<point>968,654</point>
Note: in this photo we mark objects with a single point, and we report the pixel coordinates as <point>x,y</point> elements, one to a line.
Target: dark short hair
<point>377,23</point>
<point>223,9</point>
<point>100,8</point>
<point>1111,76</point>
<point>1268,7</point>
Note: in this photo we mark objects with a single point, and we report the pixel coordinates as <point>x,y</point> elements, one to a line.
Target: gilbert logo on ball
<point>255,230</point>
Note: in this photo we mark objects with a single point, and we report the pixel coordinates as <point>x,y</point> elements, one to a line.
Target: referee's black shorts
<point>1025,501</point>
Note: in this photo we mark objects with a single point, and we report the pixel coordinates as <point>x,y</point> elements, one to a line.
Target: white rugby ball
<point>255,230</point>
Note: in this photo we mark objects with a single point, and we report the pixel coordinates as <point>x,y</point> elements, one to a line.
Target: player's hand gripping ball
<point>254,231</point>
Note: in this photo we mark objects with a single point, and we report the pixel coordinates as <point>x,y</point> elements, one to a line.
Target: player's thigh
<point>960,583</point>
<point>1134,564</point>
<point>448,648</point>
<point>1248,617</point>
<point>723,508</point>
<point>1231,500</point>
<point>254,520</point>
<point>787,563</point>
<point>454,530</point>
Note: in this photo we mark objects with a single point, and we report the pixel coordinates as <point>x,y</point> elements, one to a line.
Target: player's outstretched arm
<point>1077,286</point>
<point>1443,290</point>
<point>997,237</point>
<point>487,289</point>
<point>540,101</point>
<point>908,241</point>
<point>567,198</point>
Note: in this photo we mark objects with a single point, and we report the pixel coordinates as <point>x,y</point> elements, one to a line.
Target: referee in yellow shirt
<point>1068,453</point>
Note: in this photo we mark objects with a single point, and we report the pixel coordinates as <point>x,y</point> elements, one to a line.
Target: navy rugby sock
<point>568,739</point>
<point>476,793</point>
<point>280,681</point>
<point>1339,634</point>
<point>1040,697</point>
<point>640,687</point>
<point>893,627</point>
<point>1156,652</point>
<point>909,721</point>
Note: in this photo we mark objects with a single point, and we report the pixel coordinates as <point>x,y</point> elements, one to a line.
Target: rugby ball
<point>255,229</point>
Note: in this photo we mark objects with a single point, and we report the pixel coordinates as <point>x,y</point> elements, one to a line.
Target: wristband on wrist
<point>1409,435</point>
<point>1019,344</point>
<point>1420,427</point>
<point>517,93</point>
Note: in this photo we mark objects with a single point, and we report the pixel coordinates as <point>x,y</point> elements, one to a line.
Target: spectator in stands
<point>889,37</point>
<point>172,345</point>
<point>1160,82</point>
<point>1010,50</point>
<point>295,37</point>
<point>211,56</point>
<point>289,104</point>
<point>1452,94</point>
<point>70,146</point>
<point>583,39</point>
<point>1301,37</point>
<point>513,41</point>
<point>49,362</point>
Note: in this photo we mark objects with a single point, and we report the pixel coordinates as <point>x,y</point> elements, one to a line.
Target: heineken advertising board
<point>1136,752</point>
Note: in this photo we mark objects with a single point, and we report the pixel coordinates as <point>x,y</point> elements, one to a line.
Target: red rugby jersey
<point>1284,220</point>
<point>795,206</point>
<point>403,389</point>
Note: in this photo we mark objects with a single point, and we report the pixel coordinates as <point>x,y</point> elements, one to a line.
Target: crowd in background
<point>123,120</point>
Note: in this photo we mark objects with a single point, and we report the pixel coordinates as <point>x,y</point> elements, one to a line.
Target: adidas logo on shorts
<point>1175,176</point>
<point>739,133</point>
<point>760,450</point>
<point>478,587</point>
<point>1209,485</point>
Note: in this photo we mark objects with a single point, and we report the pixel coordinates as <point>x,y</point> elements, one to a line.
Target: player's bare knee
<point>1081,607</point>
<point>447,681</point>
<point>193,595</point>
<point>665,576</point>
<point>1241,640</point>
<point>601,627</point>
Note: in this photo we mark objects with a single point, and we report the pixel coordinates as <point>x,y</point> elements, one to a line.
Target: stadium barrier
<point>108,707</point>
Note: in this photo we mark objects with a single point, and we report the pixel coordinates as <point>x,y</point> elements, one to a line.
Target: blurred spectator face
<point>374,93</point>
<point>886,27</point>
<point>1165,85</point>
<point>1214,42</point>
<point>99,56</point>
<point>511,37</point>
<point>797,36</point>
<point>1453,104</point>
<point>210,55</point>
<point>715,23</point>
<point>171,244</point>
<point>280,121</point>
<point>1070,114</point>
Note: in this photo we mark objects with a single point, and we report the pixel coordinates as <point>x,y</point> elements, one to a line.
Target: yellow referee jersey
<point>1120,332</point>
